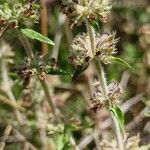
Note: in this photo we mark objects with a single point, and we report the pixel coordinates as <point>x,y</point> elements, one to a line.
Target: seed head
<point>78,10</point>
<point>99,100</point>
<point>81,49</point>
<point>104,48</point>
<point>14,12</point>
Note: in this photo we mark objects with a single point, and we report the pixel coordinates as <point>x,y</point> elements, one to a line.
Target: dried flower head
<point>104,48</point>
<point>12,12</point>
<point>81,49</point>
<point>99,100</point>
<point>78,10</point>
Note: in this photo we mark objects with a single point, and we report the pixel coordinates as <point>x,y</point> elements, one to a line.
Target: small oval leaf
<point>36,36</point>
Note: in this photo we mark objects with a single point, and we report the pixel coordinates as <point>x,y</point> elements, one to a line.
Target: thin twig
<point>22,138</point>
<point>68,32</point>
<point>8,91</point>
<point>85,141</point>
<point>4,30</point>
<point>58,36</point>
<point>44,24</point>
<point>74,145</point>
<point>101,76</point>
<point>42,121</point>
<point>43,83</point>
<point>137,119</point>
<point>6,134</point>
<point>49,99</point>
<point>96,137</point>
<point>30,53</point>
<point>26,146</point>
<point>11,103</point>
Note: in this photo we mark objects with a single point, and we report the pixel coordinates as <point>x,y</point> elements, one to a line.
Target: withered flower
<point>104,48</point>
<point>12,12</point>
<point>99,100</point>
<point>78,10</point>
<point>81,49</point>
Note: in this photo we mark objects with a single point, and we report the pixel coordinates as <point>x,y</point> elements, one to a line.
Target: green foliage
<point>36,36</point>
<point>117,112</point>
<point>120,61</point>
<point>73,99</point>
<point>130,54</point>
<point>63,141</point>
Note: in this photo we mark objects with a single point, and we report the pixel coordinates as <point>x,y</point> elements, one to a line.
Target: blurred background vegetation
<point>131,22</point>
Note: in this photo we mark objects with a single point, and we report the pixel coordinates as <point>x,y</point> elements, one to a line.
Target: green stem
<point>49,99</point>
<point>98,65</point>
<point>91,35</point>
<point>102,79</point>
<point>118,133</point>
<point>30,53</point>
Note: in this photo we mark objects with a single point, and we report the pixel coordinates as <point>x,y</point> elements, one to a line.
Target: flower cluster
<point>104,48</point>
<point>99,100</point>
<point>81,49</point>
<point>12,12</point>
<point>78,10</point>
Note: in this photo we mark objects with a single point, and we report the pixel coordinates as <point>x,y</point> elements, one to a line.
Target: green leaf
<point>55,71</point>
<point>117,112</point>
<point>63,142</point>
<point>95,25</point>
<point>120,61</point>
<point>36,36</point>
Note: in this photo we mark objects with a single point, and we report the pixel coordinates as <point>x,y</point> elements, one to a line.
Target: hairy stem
<point>30,53</point>
<point>118,133</point>
<point>101,76</point>
<point>49,98</point>
<point>91,35</point>
<point>102,79</point>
